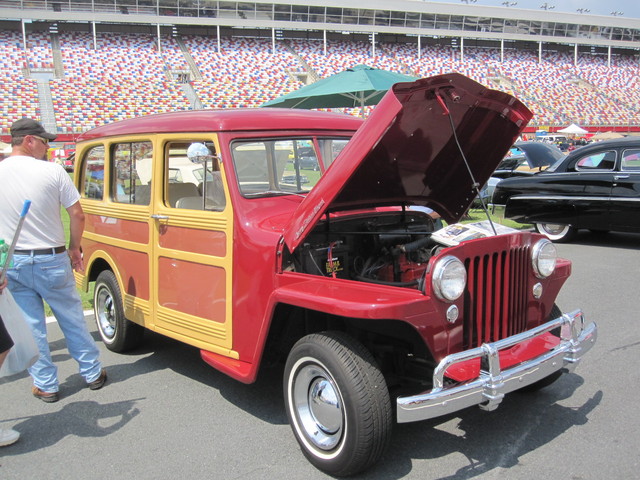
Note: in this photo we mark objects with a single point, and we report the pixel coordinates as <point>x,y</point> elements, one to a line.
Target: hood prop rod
<point>475,185</point>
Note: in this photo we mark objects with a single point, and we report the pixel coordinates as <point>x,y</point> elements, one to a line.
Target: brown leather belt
<point>41,251</point>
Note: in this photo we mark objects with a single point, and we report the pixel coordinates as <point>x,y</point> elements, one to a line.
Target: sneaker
<point>8,437</point>
<point>48,397</point>
<point>100,381</point>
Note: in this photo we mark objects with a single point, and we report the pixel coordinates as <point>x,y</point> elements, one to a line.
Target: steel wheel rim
<point>317,406</point>
<point>105,313</point>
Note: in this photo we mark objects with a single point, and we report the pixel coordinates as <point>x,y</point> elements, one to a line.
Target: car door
<point>192,236</point>
<point>624,208</point>
<point>595,172</point>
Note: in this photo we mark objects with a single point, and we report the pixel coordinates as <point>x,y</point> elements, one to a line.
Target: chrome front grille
<point>496,298</point>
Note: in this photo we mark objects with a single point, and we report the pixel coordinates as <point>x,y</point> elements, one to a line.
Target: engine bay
<point>390,248</point>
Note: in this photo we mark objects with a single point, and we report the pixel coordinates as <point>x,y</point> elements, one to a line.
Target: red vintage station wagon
<point>259,235</point>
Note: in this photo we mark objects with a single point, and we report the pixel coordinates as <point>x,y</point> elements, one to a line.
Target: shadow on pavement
<point>81,419</point>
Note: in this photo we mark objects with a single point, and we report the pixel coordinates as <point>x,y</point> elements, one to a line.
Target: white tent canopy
<point>573,129</point>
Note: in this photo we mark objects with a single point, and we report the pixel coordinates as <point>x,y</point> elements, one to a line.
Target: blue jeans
<point>50,277</point>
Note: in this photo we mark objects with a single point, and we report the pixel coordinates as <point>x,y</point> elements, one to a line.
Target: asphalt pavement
<point>165,414</point>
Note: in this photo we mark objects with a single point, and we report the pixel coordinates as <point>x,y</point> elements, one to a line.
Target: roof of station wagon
<point>242,119</point>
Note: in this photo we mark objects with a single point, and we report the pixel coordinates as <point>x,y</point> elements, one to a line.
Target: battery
<point>328,261</point>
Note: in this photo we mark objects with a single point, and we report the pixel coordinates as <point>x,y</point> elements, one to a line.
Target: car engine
<point>392,248</point>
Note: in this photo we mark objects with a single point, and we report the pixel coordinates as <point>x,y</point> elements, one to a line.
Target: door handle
<point>620,177</point>
<point>160,217</point>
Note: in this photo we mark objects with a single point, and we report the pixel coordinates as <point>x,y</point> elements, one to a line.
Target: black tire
<point>337,402</point>
<point>117,333</point>
<point>545,382</point>
<point>556,232</point>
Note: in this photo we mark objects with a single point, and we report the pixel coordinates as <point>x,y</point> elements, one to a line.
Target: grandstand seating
<point>125,76</point>
<point>20,94</point>
<point>128,75</point>
<point>243,73</point>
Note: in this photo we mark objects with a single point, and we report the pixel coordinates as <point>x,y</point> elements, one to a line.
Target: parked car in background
<point>374,316</point>
<point>524,159</point>
<point>63,154</point>
<point>307,160</point>
<point>69,162</point>
<point>595,187</point>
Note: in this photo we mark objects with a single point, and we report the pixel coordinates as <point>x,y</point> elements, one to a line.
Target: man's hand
<point>77,262</point>
<point>76,227</point>
<point>3,285</point>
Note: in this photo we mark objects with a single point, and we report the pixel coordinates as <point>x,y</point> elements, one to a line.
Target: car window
<point>93,173</point>
<point>131,164</point>
<point>287,165</point>
<point>275,165</point>
<point>331,148</point>
<point>175,175</point>
<point>186,187</point>
<point>597,161</point>
<point>631,160</point>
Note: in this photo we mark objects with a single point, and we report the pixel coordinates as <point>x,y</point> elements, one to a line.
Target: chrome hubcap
<point>554,229</point>
<point>318,406</point>
<point>105,313</point>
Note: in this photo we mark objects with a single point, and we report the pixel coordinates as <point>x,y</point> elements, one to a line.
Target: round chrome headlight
<point>449,278</point>
<point>544,258</point>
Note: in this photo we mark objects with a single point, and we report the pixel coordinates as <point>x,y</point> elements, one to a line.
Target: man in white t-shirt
<point>43,266</point>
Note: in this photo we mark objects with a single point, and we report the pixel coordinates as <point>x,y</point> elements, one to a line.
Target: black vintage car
<point>525,159</point>
<point>596,187</point>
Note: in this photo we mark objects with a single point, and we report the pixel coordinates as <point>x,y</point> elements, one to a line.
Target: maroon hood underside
<point>406,153</point>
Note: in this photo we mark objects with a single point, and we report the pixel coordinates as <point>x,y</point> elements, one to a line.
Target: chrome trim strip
<point>493,383</point>
<point>561,197</point>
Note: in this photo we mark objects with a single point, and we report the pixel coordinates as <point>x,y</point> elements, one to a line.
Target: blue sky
<point>630,8</point>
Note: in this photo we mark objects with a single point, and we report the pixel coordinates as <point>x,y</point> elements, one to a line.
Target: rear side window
<point>131,165</point>
<point>93,173</point>
<point>631,160</point>
<point>597,161</point>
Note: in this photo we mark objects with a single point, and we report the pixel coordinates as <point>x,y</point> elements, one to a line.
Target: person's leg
<point>6,342</point>
<point>54,277</point>
<point>3,355</point>
<point>8,436</point>
<point>43,372</point>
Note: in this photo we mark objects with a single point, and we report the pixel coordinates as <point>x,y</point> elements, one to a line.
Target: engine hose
<point>415,245</point>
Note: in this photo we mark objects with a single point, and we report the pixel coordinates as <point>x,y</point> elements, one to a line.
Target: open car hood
<point>406,153</point>
<point>540,154</point>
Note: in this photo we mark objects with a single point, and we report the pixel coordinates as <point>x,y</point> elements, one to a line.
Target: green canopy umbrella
<point>355,87</point>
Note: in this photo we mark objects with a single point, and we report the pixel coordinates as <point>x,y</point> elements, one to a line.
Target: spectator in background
<point>5,152</point>
<point>42,264</point>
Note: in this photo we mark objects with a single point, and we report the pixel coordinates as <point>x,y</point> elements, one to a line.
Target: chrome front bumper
<point>493,383</point>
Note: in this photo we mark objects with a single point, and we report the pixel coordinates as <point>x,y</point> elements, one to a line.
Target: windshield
<point>283,165</point>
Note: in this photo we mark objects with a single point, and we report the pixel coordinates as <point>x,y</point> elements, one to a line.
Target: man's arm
<point>76,228</point>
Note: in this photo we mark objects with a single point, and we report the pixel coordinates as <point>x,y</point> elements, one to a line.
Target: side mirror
<point>198,153</point>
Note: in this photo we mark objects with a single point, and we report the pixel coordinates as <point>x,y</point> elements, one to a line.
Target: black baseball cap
<point>28,126</point>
